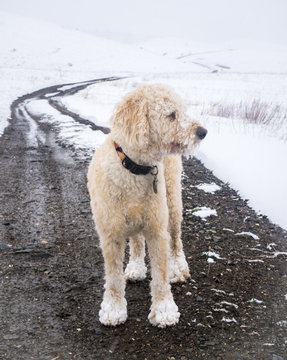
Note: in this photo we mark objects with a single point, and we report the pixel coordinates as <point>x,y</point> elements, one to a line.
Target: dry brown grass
<point>256,111</point>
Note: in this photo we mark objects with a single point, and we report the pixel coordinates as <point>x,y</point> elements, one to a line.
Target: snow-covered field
<point>237,90</point>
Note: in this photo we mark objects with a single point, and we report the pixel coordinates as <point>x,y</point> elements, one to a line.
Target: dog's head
<point>153,116</point>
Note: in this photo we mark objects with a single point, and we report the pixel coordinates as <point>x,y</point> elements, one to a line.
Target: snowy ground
<point>238,91</point>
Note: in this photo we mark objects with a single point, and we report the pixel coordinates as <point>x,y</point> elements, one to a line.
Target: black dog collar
<point>136,169</point>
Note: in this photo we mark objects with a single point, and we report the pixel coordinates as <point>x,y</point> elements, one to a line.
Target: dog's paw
<point>113,312</point>
<point>164,313</point>
<point>135,271</point>
<point>178,268</point>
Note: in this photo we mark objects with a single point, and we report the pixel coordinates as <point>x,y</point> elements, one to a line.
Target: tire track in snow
<point>53,94</point>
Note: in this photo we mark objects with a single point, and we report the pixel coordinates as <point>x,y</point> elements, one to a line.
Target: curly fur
<point>152,127</point>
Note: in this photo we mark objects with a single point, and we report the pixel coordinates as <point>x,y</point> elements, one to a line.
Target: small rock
<point>230,263</point>
<point>210,343</point>
<point>4,247</point>
<point>11,337</point>
<point>42,255</point>
<point>87,265</point>
<point>99,332</point>
<point>30,332</point>
<point>85,211</point>
<point>216,238</point>
<point>23,251</point>
<point>277,357</point>
<point>199,299</point>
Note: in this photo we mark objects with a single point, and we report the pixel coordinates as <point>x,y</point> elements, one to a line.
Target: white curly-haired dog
<point>134,185</point>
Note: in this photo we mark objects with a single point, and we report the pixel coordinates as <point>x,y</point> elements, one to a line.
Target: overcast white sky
<point>198,20</point>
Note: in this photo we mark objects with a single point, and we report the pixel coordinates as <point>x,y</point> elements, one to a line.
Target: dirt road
<point>52,268</point>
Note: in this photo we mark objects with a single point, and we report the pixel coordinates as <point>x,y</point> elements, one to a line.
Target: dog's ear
<point>131,119</point>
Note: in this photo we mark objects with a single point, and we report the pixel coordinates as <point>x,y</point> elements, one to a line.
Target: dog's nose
<point>201,132</point>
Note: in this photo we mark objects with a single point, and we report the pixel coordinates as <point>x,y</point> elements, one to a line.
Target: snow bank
<point>252,161</point>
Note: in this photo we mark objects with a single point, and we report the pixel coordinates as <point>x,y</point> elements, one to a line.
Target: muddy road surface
<point>233,307</point>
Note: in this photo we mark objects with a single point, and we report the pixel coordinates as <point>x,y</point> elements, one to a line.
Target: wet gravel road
<point>52,269</point>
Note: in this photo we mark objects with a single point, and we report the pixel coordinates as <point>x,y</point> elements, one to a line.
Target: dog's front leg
<point>114,305</point>
<point>178,267</point>
<point>164,311</point>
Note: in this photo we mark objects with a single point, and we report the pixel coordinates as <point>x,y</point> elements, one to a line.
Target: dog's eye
<point>172,116</point>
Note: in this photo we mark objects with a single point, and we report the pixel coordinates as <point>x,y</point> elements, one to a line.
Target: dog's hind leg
<point>114,306</point>
<point>136,269</point>
<point>178,267</point>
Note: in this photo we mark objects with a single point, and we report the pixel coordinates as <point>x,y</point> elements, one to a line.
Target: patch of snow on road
<point>35,136</point>
<point>212,254</point>
<point>209,188</point>
<point>282,323</point>
<point>220,310</point>
<point>275,254</point>
<point>255,301</point>
<point>270,246</point>
<point>247,234</point>
<point>228,320</point>
<point>229,304</point>
<point>217,291</point>
<point>203,212</point>
<point>228,230</point>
